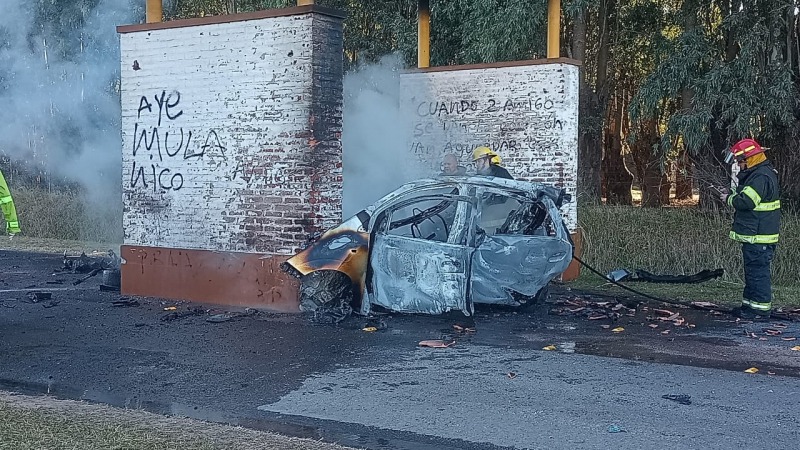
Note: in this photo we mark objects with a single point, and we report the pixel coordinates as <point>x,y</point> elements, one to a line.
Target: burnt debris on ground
<point>106,263</point>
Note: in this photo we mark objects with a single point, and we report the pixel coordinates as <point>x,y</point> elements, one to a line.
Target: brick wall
<point>231,131</point>
<point>528,113</point>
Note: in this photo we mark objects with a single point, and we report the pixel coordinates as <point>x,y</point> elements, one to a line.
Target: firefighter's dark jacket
<point>501,172</point>
<point>757,219</point>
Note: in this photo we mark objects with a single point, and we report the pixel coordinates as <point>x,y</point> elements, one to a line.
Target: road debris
<point>219,318</point>
<point>796,348</point>
<point>752,370</point>
<point>591,310</point>
<point>616,429</point>
<point>618,330</point>
<point>704,305</point>
<point>370,329</point>
<point>89,275</point>
<point>683,399</point>
<point>175,315</point>
<point>39,296</point>
<point>88,264</point>
<point>170,308</point>
<point>436,343</point>
<point>549,348</point>
<point>227,316</point>
<point>125,302</point>
<point>511,375</point>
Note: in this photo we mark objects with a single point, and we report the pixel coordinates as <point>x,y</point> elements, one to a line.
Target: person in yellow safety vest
<point>7,205</point>
<point>756,224</point>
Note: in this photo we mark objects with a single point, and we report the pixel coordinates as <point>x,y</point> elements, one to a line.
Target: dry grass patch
<point>43,423</point>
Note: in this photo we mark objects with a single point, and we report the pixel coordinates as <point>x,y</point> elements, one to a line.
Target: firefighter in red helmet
<point>756,223</point>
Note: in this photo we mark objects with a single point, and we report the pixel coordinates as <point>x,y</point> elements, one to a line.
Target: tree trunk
<point>683,164</point>
<point>684,175</point>
<point>648,164</point>
<point>666,186</point>
<point>785,157</point>
<point>589,149</point>
<point>610,162</point>
<point>717,173</point>
<point>617,179</point>
<point>709,167</point>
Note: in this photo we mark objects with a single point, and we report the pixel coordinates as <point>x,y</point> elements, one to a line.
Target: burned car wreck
<point>438,245</point>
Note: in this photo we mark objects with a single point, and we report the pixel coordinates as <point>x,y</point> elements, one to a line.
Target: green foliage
<point>736,68</point>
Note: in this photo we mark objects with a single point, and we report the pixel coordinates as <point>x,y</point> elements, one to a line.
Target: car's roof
<point>518,187</point>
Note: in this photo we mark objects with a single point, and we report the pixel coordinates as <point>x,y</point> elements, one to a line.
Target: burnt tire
<point>529,301</point>
<point>327,294</point>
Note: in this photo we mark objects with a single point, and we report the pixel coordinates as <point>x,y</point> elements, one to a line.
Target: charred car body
<point>437,245</point>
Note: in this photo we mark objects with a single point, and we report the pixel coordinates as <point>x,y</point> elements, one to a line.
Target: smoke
<point>59,87</point>
<point>375,136</point>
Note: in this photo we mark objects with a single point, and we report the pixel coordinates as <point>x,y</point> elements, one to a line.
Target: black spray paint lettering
<point>446,108</point>
<point>140,136</point>
<point>165,104</point>
<point>422,129</point>
<point>159,179</point>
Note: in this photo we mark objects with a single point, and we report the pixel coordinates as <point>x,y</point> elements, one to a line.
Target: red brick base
<point>222,278</point>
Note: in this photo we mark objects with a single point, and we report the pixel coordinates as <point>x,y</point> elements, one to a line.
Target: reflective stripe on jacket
<point>757,219</point>
<point>7,206</point>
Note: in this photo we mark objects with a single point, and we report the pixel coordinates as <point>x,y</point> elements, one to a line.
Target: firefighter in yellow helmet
<point>487,163</point>
<point>7,205</point>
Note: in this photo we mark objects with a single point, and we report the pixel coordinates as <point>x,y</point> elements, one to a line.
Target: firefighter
<point>7,205</point>
<point>756,223</point>
<point>487,163</point>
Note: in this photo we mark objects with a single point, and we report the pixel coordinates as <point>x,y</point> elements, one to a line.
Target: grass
<point>28,423</point>
<point>680,241</point>
<point>51,245</point>
<point>69,215</point>
<point>677,241</point>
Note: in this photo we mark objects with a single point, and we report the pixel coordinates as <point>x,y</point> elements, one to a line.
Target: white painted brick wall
<point>231,107</point>
<point>528,114</point>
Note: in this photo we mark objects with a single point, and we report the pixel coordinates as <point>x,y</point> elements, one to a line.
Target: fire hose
<point>630,289</point>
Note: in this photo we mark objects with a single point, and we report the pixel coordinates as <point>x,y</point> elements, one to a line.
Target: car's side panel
<point>419,276</point>
<point>523,264</point>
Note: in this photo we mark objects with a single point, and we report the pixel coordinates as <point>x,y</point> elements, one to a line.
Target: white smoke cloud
<point>375,136</point>
<point>59,87</point>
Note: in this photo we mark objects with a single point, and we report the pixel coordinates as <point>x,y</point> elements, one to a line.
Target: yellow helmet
<point>482,152</point>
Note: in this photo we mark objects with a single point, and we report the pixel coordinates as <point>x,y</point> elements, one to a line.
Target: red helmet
<point>743,150</point>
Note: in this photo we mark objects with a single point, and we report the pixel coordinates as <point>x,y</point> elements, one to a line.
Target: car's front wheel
<point>327,294</point>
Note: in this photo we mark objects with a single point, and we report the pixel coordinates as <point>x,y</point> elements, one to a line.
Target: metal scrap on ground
<point>436,343</point>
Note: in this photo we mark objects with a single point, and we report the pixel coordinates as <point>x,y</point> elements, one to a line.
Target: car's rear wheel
<point>529,301</point>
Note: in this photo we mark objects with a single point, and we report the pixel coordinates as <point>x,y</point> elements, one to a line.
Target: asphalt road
<point>494,388</point>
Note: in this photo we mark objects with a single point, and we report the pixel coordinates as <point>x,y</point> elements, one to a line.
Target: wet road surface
<point>493,388</point>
